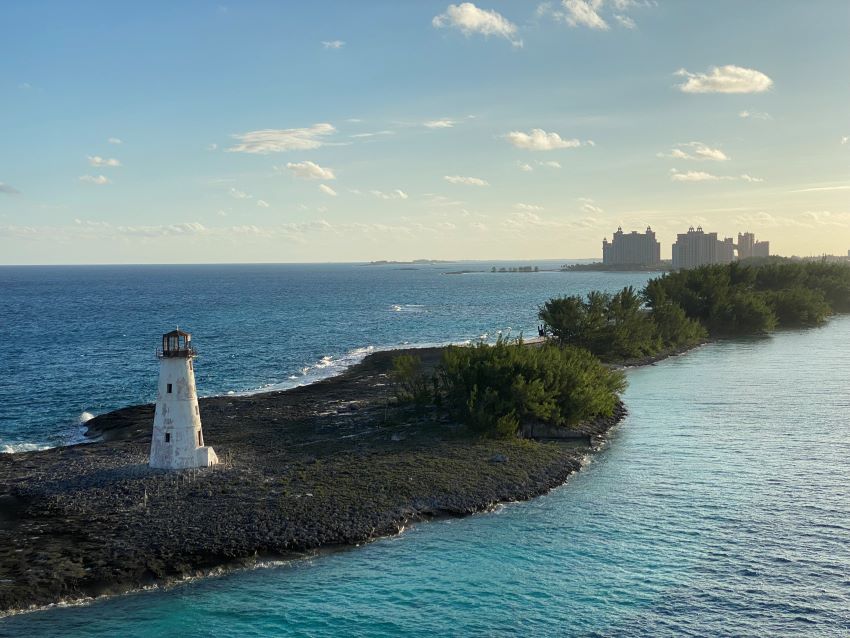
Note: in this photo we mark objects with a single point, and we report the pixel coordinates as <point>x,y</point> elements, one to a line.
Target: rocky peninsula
<point>335,463</point>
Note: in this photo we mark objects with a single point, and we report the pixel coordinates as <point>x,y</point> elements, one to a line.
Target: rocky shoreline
<point>334,463</point>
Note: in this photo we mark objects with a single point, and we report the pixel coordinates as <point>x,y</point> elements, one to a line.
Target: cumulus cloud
<point>539,140</point>
<point>531,208</point>
<point>100,180</point>
<point>97,160</point>
<point>584,13</point>
<point>333,44</point>
<point>724,79</point>
<point>696,151</point>
<point>756,115</point>
<point>469,19</point>
<point>278,140</point>
<point>6,189</point>
<point>625,21</point>
<point>590,207</point>
<point>262,203</point>
<point>468,181</point>
<point>393,194</point>
<point>115,140</point>
<point>524,167</point>
<point>702,176</point>
<point>442,123</point>
<point>310,170</point>
<point>845,139</point>
<point>235,193</point>
<point>327,190</point>
<point>693,176</point>
<point>550,164</point>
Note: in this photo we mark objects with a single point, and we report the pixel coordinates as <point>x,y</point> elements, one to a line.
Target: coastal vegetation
<point>495,390</point>
<point>680,309</point>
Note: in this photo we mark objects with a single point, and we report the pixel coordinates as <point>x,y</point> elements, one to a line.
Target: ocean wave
<point>13,448</point>
<point>408,307</point>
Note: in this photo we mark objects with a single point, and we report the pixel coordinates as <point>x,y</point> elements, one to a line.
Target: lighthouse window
<point>200,442</point>
<point>168,437</point>
<point>168,388</point>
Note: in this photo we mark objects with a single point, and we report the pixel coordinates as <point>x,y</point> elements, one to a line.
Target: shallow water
<point>720,507</point>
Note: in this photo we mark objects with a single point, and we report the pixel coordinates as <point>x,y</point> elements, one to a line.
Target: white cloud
<point>702,176</point>
<point>693,176</point>
<point>724,79</point>
<point>6,189</point>
<point>827,218</point>
<point>590,208</point>
<point>584,13</point>
<point>756,115</point>
<point>97,160</point>
<point>212,147</point>
<point>115,140</point>
<point>550,164</point>
<point>100,180</point>
<point>394,194</point>
<point>310,170</point>
<point>327,190</point>
<point>365,135</point>
<point>235,193</point>
<point>470,19</point>
<point>468,181</point>
<point>625,21</point>
<point>442,123</point>
<point>698,151</point>
<point>539,140</point>
<point>845,139</point>
<point>333,44</point>
<point>815,189</point>
<point>278,140</point>
<point>525,168</point>
<point>262,203</point>
<point>531,208</point>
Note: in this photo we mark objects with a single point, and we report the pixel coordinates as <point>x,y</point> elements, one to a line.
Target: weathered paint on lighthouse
<point>177,441</point>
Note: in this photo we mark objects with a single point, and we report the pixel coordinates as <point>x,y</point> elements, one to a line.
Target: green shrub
<point>494,389</point>
<point>410,382</point>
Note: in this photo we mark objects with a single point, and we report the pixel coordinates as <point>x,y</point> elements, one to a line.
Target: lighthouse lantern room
<point>177,441</point>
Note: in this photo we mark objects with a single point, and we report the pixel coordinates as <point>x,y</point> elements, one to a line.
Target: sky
<point>195,132</point>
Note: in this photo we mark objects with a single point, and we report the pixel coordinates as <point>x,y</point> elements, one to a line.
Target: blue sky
<point>348,131</point>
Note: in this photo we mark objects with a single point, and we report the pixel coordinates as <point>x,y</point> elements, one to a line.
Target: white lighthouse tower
<point>178,442</point>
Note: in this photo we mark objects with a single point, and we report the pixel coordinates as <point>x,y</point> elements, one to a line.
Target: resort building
<point>698,248</point>
<point>632,249</point>
<point>748,247</point>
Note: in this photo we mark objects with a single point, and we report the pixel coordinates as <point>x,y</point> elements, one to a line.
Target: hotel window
<point>168,388</point>
<point>168,437</point>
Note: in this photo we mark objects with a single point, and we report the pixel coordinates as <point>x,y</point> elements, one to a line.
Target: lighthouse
<point>177,442</point>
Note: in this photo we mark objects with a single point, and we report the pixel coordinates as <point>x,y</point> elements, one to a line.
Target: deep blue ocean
<point>720,506</point>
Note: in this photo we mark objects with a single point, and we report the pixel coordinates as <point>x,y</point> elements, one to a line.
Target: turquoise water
<point>720,507</point>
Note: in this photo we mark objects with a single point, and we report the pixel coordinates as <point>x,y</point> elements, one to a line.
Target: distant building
<point>632,249</point>
<point>748,246</point>
<point>725,251</point>
<point>698,248</point>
